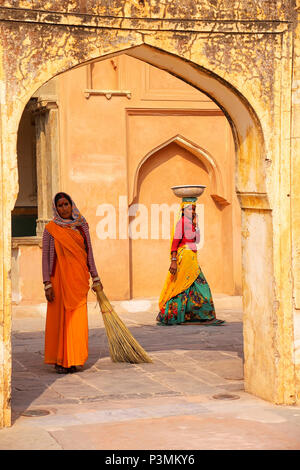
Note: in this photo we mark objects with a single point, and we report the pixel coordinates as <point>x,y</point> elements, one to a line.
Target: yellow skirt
<point>187,272</point>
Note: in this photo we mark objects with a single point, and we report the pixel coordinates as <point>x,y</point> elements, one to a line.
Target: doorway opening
<point>127,132</point>
<point>133,176</point>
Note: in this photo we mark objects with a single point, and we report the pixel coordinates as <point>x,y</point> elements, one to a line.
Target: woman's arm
<point>90,256</point>
<point>197,232</point>
<point>46,249</point>
<point>196,228</point>
<point>178,234</point>
<point>173,265</point>
<point>46,256</point>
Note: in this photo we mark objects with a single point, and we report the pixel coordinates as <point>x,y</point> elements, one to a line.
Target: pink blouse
<point>185,234</point>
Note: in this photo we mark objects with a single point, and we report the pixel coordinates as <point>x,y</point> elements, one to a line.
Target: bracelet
<point>96,279</point>
<point>48,286</point>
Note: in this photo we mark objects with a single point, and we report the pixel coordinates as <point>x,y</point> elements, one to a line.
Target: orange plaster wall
<point>30,285</point>
<point>102,142</point>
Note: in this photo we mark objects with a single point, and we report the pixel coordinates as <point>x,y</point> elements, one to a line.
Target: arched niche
<point>211,166</point>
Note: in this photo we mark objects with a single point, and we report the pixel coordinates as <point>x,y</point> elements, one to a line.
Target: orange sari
<point>66,333</point>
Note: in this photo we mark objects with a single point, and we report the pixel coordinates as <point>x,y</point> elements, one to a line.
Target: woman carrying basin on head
<point>186,296</point>
<point>68,262</point>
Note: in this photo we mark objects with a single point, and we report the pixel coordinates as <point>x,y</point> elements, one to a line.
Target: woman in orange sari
<point>68,263</point>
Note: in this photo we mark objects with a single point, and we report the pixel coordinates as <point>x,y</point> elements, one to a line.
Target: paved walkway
<point>191,397</point>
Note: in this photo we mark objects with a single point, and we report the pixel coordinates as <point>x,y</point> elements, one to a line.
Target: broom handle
<point>101,297</point>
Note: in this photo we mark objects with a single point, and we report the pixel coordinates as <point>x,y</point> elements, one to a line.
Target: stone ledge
<point>254,201</point>
<point>21,241</point>
<point>197,25</point>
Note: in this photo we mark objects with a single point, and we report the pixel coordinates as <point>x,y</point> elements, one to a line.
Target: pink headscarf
<point>77,218</point>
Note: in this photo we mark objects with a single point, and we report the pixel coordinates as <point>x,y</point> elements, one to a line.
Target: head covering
<point>77,218</point>
<point>189,200</point>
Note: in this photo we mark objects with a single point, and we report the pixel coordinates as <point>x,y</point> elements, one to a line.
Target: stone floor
<point>191,396</point>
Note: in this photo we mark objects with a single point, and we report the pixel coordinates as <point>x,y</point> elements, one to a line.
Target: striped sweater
<point>49,254</point>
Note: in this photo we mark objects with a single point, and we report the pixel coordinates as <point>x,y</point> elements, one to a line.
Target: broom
<point>123,346</point>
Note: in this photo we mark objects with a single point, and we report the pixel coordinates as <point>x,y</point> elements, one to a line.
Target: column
<point>45,112</point>
<point>295,202</point>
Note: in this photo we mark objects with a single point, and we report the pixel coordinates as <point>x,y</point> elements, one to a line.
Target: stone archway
<point>268,317</point>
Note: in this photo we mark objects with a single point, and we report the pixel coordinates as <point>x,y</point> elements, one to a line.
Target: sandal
<point>60,369</point>
<point>215,322</point>
<point>72,369</point>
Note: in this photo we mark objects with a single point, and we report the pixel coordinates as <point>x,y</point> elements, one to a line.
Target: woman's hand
<point>97,285</point>
<point>49,293</point>
<point>173,267</point>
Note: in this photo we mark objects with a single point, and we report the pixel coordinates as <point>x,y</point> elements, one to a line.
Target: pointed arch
<point>210,164</point>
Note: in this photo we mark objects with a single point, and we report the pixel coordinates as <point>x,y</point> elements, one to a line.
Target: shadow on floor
<point>32,380</point>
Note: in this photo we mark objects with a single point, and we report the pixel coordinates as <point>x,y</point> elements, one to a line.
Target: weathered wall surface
<point>295,200</point>
<point>240,53</point>
<point>170,9</point>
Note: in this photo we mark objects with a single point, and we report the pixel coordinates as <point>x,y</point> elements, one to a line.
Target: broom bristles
<point>123,346</point>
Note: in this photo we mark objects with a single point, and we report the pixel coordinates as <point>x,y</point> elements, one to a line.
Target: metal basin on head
<point>188,190</point>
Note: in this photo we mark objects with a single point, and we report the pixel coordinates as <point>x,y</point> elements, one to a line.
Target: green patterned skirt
<point>195,304</point>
